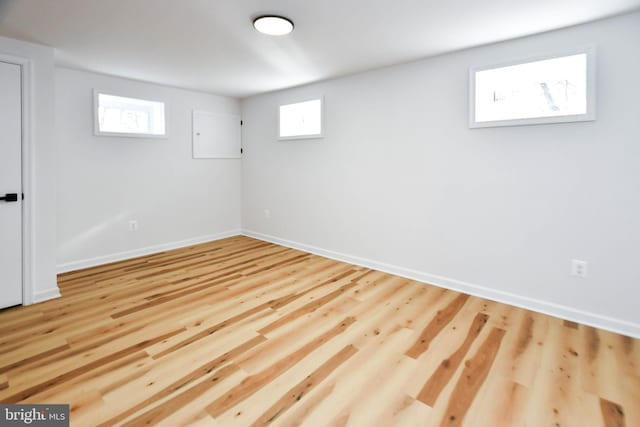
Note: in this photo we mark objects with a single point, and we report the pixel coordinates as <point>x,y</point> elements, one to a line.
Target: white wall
<point>39,187</point>
<point>401,183</point>
<point>104,182</point>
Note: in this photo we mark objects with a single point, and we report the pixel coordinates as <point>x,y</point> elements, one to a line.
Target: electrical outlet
<point>579,268</point>
<point>133,225</point>
<point>267,213</point>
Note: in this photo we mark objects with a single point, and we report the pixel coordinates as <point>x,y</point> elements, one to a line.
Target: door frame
<point>27,174</point>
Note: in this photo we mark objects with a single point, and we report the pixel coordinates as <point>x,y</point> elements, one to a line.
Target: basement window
<point>551,89</point>
<point>131,117</point>
<point>301,120</point>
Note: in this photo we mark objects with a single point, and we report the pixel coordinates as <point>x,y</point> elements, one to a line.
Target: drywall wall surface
<point>105,182</point>
<point>400,181</point>
<point>40,184</point>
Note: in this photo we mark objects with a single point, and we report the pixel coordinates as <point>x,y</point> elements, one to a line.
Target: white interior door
<point>10,185</point>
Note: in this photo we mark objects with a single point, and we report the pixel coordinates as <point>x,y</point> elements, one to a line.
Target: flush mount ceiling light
<point>273,25</point>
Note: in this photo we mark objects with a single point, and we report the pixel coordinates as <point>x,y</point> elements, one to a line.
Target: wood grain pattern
<point>475,372</point>
<point>241,332</point>
<point>68,375</point>
<point>304,387</point>
<point>253,383</point>
<point>612,413</point>
<point>442,318</point>
<point>183,382</point>
<point>441,377</point>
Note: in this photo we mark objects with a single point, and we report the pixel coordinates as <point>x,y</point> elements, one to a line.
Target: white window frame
<point>96,122</point>
<point>590,115</point>
<point>299,101</point>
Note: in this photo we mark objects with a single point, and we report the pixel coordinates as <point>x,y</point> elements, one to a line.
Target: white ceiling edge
<point>220,55</point>
<point>442,53</point>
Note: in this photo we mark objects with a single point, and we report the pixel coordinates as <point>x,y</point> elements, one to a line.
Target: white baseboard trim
<point>45,295</point>
<point>149,250</point>
<point>546,307</point>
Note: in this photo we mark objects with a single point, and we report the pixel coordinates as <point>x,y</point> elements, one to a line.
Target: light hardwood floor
<point>241,332</point>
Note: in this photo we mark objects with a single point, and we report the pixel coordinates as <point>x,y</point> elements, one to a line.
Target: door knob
<point>10,197</point>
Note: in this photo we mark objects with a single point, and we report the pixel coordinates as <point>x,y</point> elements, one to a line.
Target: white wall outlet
<point>267,213</point>
<point>133,225</point>
<point>579,268</point>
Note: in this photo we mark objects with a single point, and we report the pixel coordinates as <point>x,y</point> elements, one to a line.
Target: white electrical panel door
<point>216,135</point>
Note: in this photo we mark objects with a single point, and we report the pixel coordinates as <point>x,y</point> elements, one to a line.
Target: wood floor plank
<point>432,389</point>
<point>251,384</point>
<point>612,413</point>
<point>183,382</point>
<point>160,412</point>
<point>28,392</point>
<point>308,308</point>
<point>240,331</point>
<point>98,380</point>
<point>501,405</point>
<point>442,318</point>
<point>301,389</point>
<point>4,382</point>
<point>35,355</point>
<point>473,376</point>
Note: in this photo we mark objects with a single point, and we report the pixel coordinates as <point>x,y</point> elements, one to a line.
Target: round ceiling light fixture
<point>273,25</point>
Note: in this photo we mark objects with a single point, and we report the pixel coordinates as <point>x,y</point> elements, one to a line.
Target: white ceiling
<point>210,45</point>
